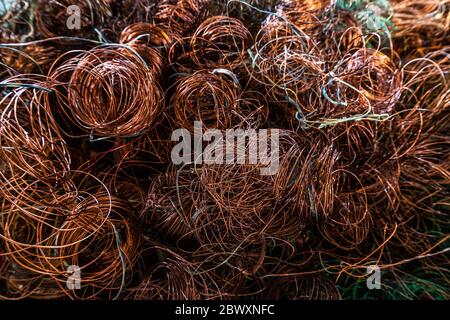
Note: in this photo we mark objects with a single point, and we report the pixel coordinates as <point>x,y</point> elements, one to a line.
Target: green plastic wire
<point>374,15</point>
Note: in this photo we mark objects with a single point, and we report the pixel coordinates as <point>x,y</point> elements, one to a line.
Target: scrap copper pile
<point>92,205</point>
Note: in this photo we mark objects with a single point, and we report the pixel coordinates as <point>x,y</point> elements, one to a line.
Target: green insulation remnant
<point>374,15</point>
<point>350,5</point>
<point>416,284</point>
<point>410,281</point>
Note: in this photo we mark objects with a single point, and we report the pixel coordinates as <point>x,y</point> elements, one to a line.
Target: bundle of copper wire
<point>93,204</point>
<point>111,91</point>
<point>51,17</point>
<point>181,15</point>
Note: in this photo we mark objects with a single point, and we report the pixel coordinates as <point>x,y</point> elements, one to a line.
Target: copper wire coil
<point>34,156</point>
<point>153,58</point>
<point>420,26</point>
<point>214,99</point>
<point>176,277</point>
<point>178,55</point>
<point>148,40</point>
<point>26,240</point>
<point>330,55</point>
<point>127,187</point>
<point>424,169</point>
<point>305,20</point>
<point>309,5</point>
<point>26,231</point>
<point>287,282</point>
<point>424,164</point>
<point>400,228</point>
<point>36,188</point>
<point>149,33</point>
<point>362,179</point>
<point>344,36</point>
<point>48,245</point>
<point>320,192</point>
<point>128,12</point>
<point>268,228</point>
<point>229,275</point>
<point>33,58</point>
<point>425,87</point>
<point>151,149</point>
<point>241,207</point>
<point>311,181</point>
<point>380,167</point>
<point>237,188</point>
<point>51,17</point>
<point>337,197</point>
<point>243,11</point>
<point>170,204</point>
<point>363,83</point>
<point>206,97</point>
<point>334,30</point>
<point>101,238</point>
<point>220,42</point>
<point>369,160</point>
<point>171,279</point>
<point>286,62</point>
<point>181,16</point>
<point>111,92</point>
<point>305,15</point>
<point>389,202</point>
<point>375,76</point>
<point>146,155</point>
<point>349,224</point>
<point>104,247</point>
<point>255,111</point>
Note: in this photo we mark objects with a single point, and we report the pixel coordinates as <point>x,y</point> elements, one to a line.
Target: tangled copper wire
<point>422,26</point>
<point>207,97</point>
<point>111,91</point>
<point>145,32</point>
<point>286,61</point>
<point>375,77</point>
<point>33,58</point>
<point>357,93</point>
<point>51,17</point>
<point>219,42</point>
<point>181,16</point>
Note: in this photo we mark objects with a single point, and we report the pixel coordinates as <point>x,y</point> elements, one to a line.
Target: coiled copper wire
<point>146,33</point>
<point>207,97</point>
<point>181,16</point>
<point>420,26</point>
<point>52,17</point>
<point>370,79</point>
<point>286,60</point>
<point>363,175</point>
<point>103,240</point>
<point>220,42</point>
<point>111,92</point>
<point>33,58</point>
